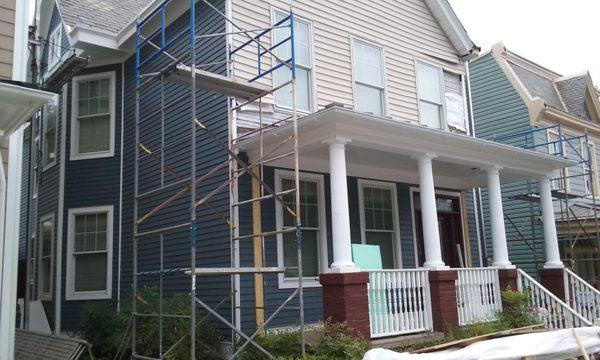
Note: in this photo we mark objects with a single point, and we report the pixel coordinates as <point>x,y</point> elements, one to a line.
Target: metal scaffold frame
<point>154,47</point>
<point>561,147</point>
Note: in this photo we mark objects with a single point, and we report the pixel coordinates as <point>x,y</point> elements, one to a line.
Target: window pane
<point>45,277</point>
<point>302,43</point>
<point>385,242</point>
<point>94,134</point>
<point>47,234</point>
<point>368,99</point>
<point>83,90</point>
<point>430,115</point>
<point>428,80</point>
<point>79,242</point>
<point>283,96</point>
<point>310,254</point>
<point>367,63</point>
<point>90,272</point>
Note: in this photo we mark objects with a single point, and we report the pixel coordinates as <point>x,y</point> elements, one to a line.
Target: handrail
<point>558,315</point>
<point>583,297</point>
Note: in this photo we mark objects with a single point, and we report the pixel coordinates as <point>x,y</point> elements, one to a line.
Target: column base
<point>345,299</point>
<point>442,285</point>
<point>343,268</point>
<point>504,265</point>
<point>553,279</point>
<point>554,265</point>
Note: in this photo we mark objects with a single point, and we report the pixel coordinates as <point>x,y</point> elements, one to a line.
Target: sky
<point>561,35</point>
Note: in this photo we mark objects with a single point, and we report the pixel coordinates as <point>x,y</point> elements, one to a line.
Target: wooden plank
<point>257,245</point>
<point>233,271</point>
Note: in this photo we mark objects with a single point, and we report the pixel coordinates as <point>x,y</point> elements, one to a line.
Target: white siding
<point>405,28</point>
<point>7,32</point>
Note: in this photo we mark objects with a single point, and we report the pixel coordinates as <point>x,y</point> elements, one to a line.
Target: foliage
<point>519,313</point>
<point>334,341</point>
<point>107,329</point>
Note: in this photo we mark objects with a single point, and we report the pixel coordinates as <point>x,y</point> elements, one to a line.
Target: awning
<point>17,104</point>
<point>384,148</point>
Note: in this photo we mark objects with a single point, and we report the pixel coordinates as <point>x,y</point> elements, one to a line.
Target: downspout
<point>61,210</point>
<point>121,187</point>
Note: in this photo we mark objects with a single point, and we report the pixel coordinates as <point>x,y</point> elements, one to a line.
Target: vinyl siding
<point>55,21</point>
<point>7,32</point>
<point>406,29</point>
<point>498,110</point>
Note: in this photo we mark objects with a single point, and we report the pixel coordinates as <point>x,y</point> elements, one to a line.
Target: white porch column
<point>340,216</point>
<point>431,232</point>
<point>497,219</point>
<point>550,237</point>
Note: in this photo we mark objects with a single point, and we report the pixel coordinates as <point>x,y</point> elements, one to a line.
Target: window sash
<point>379,200</point>
<point>54,46</point>
<point>49,126</point>
<point>46,250</point>
<point>429,79</point>
<point>367,63</point>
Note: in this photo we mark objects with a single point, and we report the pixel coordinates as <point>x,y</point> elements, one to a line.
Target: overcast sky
<point>562,35</point>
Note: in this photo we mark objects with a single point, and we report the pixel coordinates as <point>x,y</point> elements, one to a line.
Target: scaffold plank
<point>235,271</point>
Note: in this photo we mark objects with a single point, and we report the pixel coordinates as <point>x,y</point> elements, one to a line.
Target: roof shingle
<point>108,15</point>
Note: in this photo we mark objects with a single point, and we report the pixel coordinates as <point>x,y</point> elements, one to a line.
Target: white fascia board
<point>17,104</point>
<point>82,35</point>
<point>443,13</point>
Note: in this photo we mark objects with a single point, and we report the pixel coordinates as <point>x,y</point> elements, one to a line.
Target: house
<point>558,115</point>
<point>148,170</point>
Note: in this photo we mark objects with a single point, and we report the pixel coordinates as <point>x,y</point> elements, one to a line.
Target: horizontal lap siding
<point>213,240</point>
<point>499,110</point>
<point>405,28</point>
<point>24,215</point>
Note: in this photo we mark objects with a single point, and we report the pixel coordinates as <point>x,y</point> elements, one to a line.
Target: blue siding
<point>499,110</point>
<point>55,21</point>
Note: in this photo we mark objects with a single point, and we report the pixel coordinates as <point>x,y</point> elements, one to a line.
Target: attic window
<point>54,47</point>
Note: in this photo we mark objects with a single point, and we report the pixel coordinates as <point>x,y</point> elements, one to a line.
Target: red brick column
<point>442,284</point>
<point>553,280</point>
<point>508,280</point>
<point>345,299</point>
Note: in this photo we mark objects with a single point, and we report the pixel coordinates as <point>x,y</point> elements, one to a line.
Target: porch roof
<point>383,148</point>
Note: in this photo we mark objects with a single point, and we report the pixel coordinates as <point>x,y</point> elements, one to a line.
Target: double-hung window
<point>54,46</point>
<point>89,261</point>
<point>378,218</point>
<point>46,245</point>
<point>49,120</point>
<point>589,167</point>
<point>558,147</point>
<point>93,124</point>
<point>369,79</point>
<point>313,228</point>
<point>431,95</point>
<point>304,63</point>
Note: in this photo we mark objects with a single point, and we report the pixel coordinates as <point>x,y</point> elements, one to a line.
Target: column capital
<point>337,140</point>
<point>423,156</point>
<point>493,169</point>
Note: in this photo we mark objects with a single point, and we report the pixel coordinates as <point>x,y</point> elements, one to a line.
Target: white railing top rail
<point>582,296</point>
<point>582,282</point>
<point>554,298</point>
<point>396,270</point>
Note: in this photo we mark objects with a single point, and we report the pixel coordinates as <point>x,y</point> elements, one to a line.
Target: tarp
<point>557,344</point>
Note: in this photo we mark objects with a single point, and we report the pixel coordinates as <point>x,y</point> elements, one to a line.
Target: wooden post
<point>259,294</point>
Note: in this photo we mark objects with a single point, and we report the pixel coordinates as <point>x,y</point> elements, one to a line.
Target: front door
<point>450,228</point>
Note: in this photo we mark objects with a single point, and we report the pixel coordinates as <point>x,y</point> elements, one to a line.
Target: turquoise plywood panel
<point>367,256</point>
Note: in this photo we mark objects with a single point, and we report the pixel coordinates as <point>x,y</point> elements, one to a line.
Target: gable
<point>55,22</point>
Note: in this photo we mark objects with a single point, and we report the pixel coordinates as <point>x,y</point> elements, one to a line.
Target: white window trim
<point>46,295</point>
<point>362,183</point>
<point>565,171</point>
<point>74,109</point>
<point>292,283</point>
<point>43,138</point>
<point>37,141</point>
<point>594,170</point>
<point>71,294</point>
<point>55,57</point>
<point>444,119</point>
<point>384,101</point>
<point>312,86</point>
<point>457,194</point>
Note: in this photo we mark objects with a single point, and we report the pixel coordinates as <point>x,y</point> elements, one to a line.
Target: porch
<point>424,177</point>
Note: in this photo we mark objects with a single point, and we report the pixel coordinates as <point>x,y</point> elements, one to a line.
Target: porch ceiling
<point>382,148</point>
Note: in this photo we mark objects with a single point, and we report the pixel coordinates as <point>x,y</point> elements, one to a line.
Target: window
<point>313,228</point>
<point>89,261</point>
<point>49,120</point>
<point>93,124</point>
<point>35,156</point>
<point>54,47</point>
<point>431,101</point>
<point>378,218</point>
<point>369,79</point>
<point>304,63</point>
<point>591,178</point>
<point>46,246</point>
<point>556,147</point>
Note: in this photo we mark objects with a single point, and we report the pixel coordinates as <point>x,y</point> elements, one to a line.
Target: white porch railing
<point>477,295</point>
<point>552,311</point>
<point>582,297</point>
<point>399,302</point>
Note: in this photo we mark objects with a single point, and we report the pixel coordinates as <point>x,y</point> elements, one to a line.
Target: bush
<point>107,330</point>
<point>333,342</point>
<point>519,313</point>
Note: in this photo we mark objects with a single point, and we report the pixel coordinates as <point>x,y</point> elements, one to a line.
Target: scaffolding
<point>160,61</point>
<point>570,219</point>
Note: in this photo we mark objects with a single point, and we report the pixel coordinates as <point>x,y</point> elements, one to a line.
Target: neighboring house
<point>556,112</point>
<point>7,31</point>
<point>387,155</point>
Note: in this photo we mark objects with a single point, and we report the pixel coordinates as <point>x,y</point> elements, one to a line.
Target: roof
<point>538,85</point>
<point>573,91</point>
<point>110,16</point>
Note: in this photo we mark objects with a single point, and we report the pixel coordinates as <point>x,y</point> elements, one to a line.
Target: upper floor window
<point>304,63</point>
<point>46,246</point>
<point>49,120</point>
<point>430,94</point>
<point>558,147</point>
<point>590,168</point>
<point>93,123</point>
<point>369,78</point>
<point>54,46</point>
